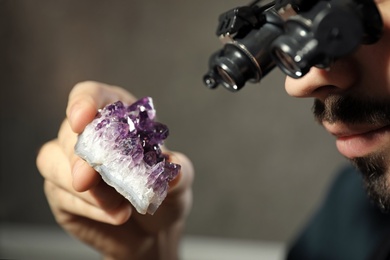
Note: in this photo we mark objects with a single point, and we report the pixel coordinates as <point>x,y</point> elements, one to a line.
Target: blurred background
<point>262,163</point>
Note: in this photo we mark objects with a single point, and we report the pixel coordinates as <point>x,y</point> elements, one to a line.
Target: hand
<point>94,212</point>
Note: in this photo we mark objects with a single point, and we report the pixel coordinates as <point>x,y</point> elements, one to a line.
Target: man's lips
<point>358,140</point>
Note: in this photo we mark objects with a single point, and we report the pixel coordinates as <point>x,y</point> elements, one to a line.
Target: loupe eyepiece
<point>287,62</point>
<point>231,67</point>
<point>294,57</point>
<point>245,59</point>
<point>326,32</point>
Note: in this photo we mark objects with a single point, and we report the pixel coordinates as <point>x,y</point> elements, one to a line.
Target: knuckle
<point>50,191</point>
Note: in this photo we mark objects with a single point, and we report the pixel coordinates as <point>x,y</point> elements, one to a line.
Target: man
<point>352,103</point>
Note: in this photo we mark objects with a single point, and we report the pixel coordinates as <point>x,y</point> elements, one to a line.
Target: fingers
<point>67,138</point>
<point>87,97</point>
<point>53,164</point>
<point>55,168</point>
<point>84,177</point>
<point>62,201</point>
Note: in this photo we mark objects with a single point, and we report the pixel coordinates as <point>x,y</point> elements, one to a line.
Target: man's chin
<point>376,176</point>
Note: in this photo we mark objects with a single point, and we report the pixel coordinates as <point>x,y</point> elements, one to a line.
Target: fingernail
<point>78,175</point>
<point>122,215</point>
<point>76,166</point>
<point>70,110</point>
<point>73,111</point>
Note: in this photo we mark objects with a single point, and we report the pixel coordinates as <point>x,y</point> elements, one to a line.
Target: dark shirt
<point>346,226</point>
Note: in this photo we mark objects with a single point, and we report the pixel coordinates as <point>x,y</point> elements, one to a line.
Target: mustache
<point>352,110</point>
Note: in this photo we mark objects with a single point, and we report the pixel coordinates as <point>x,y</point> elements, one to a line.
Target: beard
<point>375,176</point>
<point>375,167</point>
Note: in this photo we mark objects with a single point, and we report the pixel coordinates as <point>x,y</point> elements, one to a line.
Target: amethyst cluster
<point>123,143</point>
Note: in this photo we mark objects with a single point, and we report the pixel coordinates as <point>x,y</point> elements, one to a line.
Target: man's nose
<point>319,83</point>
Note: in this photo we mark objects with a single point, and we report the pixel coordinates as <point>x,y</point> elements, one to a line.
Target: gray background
<point>262,163</point>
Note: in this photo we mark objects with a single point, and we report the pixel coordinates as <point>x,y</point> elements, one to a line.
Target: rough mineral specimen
<point>123,144</point>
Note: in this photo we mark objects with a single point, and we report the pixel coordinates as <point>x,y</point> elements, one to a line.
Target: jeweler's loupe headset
<point>291,34</point>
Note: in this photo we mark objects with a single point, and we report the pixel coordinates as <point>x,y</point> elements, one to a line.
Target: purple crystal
<point>123,144</point>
